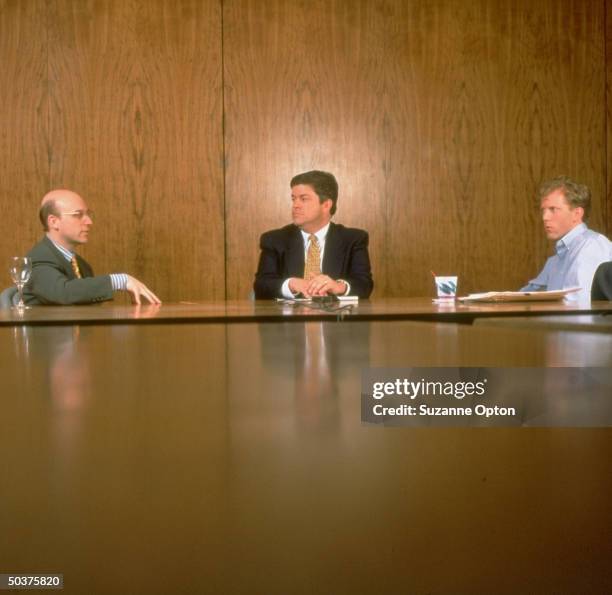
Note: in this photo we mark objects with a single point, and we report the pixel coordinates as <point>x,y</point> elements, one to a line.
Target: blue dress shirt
<point>578,254</point>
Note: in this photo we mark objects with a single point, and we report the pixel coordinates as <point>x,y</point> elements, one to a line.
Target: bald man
<point>59,275</point>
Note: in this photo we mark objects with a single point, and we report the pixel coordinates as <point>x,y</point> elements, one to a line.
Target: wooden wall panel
<point>136,128</point>
<point>491,99</point>
<point>438,118</point>
<point>303,90</point>
<point>442,118</point>
<point>24,170</point>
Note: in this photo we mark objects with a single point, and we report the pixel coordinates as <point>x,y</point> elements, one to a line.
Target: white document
<point>519,296</point>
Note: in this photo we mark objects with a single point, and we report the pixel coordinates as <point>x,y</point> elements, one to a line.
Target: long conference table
<point>390,309</point>
<point>219,448</point>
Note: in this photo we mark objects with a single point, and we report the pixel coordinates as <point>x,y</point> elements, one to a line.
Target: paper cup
<point>446,287</point>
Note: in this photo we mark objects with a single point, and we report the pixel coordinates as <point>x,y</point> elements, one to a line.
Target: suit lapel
<point>295,254</point>
<point>86,270</point>
<point>61,260</point>
<point>332,257</point>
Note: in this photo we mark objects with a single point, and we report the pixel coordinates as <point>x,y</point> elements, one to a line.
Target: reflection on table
<point>590,323</point>
<point>231,458</point>
<point>421,309</point>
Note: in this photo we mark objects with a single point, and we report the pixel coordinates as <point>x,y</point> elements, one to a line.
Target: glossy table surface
<point>271,311</point>
<point>215,458</point>
<point>592,323</point>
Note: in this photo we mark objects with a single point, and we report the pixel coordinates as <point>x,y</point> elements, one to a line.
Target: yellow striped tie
<point>75,267</point>
<point>312,268</point>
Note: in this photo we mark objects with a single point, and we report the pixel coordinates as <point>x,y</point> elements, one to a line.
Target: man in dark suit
<point>313,256</point>
<point>59,275</point>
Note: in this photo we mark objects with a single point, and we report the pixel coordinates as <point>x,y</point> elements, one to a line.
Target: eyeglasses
<point>80,213</point>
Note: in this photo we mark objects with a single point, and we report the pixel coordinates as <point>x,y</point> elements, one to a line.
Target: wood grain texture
<point>492,98</point>
<point>441,118</point>
<point>303,90</point>
<point>136,127</point>
<point>24,170</point>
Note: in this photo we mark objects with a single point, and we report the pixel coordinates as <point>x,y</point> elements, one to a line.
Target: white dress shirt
<point>321,235</point>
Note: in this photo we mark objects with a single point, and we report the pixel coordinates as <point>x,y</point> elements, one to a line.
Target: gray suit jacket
<point>53,281</point>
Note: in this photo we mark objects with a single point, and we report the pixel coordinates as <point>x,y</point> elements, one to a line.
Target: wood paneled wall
<point>126,109</point>
<point>440,119</point>
<point>182,122</point>
<point>492,98</point>
<point>304,90</point>
<point>24,159</point>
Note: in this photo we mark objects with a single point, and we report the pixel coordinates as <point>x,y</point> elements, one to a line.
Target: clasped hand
<point>318,285</point>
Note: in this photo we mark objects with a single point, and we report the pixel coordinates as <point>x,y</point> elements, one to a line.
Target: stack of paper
<point>519,296</point>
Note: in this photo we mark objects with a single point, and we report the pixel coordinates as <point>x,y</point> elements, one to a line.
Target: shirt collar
<point>321,234</point>
<point>65,252</point>
<point>565,243</point>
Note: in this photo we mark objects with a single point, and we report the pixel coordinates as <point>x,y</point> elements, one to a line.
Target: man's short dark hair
<point>577,195</point>
<point>48,208</point>
<point>323,183</point>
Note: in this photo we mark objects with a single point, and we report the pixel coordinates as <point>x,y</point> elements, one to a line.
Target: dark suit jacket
<point>602,282</point>
<point>282,256</point>
<point>53,281</point>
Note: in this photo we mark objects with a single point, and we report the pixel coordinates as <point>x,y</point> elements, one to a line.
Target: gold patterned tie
<point>75,267</point>
<point>313,258</point>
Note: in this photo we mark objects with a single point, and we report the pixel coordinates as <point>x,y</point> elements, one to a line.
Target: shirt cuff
<point>119,281</point>
<point>348,286</point>
<point>286,292</point>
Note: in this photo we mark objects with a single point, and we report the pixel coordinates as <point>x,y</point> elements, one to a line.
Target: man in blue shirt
<point>565,204</point>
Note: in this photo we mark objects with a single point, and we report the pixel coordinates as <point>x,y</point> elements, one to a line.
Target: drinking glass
<point>20,270</point>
